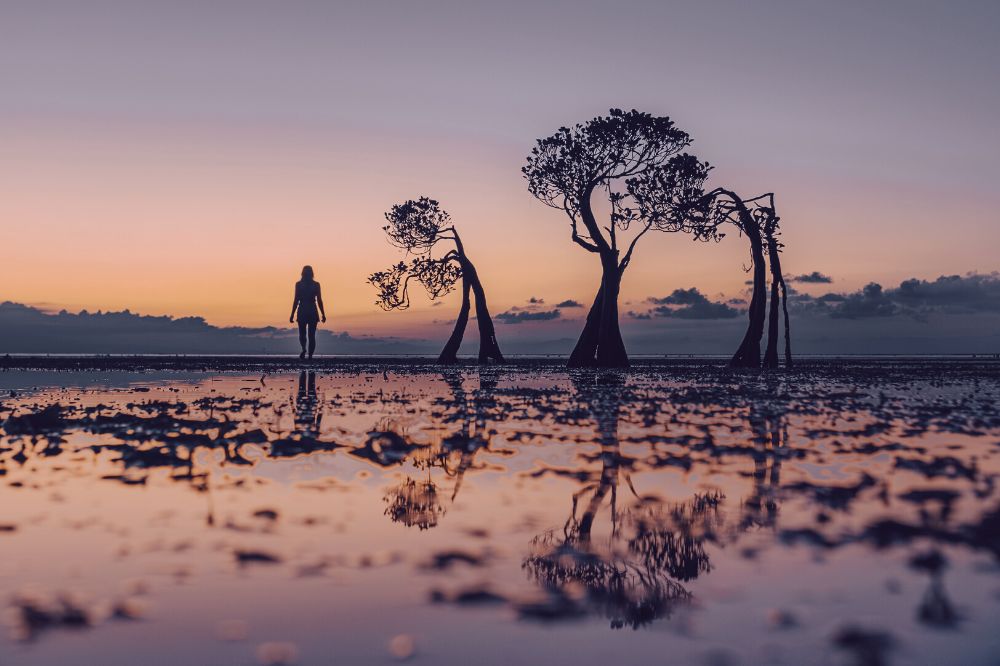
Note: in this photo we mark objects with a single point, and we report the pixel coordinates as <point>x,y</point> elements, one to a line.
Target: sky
<point>187,158</point>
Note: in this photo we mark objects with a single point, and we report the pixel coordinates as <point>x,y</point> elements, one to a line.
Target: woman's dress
<point>306,294</point>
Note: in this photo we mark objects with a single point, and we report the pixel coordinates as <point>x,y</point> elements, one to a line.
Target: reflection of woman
<point>309,303</point>
<point>307,417</point>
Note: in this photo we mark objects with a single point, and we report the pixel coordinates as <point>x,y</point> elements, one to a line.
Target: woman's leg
<point>312,338</point>
<point>302,337</point>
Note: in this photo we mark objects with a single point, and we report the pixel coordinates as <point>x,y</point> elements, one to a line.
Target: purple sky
<point>151,148</point>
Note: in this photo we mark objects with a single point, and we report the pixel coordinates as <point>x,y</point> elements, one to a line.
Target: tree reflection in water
<point>769,432</point>
<point>418,502</point>
<point>882,479</point>
<point>414,504</point>
<point>577,575</point>
<point>653,546</point>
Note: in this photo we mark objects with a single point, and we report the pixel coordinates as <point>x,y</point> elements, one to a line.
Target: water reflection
<point>414,504</point>
<point>629,587</point>
<point>308,416</point>
<point>418,502</point>
<point>625,497</point>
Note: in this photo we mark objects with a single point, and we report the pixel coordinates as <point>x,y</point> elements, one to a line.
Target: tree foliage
<point>416,226</point>
<point>671,198</point>
<point>564,169</point>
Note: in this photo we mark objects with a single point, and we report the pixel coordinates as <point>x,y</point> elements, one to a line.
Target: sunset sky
<point>187,158</point>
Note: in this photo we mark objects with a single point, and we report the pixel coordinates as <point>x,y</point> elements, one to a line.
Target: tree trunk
<point>777,282</point>
<point>489,349</point>
<point>585,352</point>
<point>771,353</point>
<point>784,310</point>
<point>449,355</point>
<point>602,396</point>
<point>748,354</point>
<point>610,346</point>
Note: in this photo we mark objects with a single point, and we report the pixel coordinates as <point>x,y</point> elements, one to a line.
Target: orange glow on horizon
<point>219,227</point>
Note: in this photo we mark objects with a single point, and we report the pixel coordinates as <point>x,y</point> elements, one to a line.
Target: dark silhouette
<point>308,302</point>
<point>416,226</point>
<point>747,216</point>
<point>769,434</point>
<point>631,587</point>
<point>308,417</point>
<point>457,452</point>
<point>418,503</point>
<point>774,246</point>
<point>565,169</point>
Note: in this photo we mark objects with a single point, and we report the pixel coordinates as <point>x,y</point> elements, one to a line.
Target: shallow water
<point>363,514</point>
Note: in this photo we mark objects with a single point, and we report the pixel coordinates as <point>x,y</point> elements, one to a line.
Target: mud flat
<point>164,510</point>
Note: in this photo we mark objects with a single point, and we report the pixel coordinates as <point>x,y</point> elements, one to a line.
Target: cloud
<point>517,316</point>
<point>24,329</point>
<point>693,305</point>
<point>569,303</point>
<point>871,301</point>
<point>812,278</point>
<point>536,301</point>
<point>679,297</point>
<point>949,294</point>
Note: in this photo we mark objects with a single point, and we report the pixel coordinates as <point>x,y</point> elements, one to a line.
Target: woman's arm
<point>295,305</point>
<point>319,301</point>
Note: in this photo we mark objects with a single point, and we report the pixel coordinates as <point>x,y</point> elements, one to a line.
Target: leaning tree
<point>727,207</point>
<point>757,220</point>
<point>566,169</point>
<point>769,226</point>
<point>418,226</point>
<point>674,199</point>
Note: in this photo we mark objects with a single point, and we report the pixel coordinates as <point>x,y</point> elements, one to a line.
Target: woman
<point>307,297</point>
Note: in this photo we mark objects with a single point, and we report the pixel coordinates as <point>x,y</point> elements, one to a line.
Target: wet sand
<point>236,510</point>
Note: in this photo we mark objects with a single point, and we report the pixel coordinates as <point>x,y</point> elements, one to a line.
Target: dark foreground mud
<point>236,510</point>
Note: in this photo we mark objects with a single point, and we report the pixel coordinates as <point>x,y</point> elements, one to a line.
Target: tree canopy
<point>416,226</point>
<point>564,169</point>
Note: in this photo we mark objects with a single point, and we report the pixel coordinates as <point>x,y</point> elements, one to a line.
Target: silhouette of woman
<point>307,297</point>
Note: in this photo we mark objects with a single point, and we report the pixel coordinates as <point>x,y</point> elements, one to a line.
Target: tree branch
<point>589,247</point>
<point>628,255</point>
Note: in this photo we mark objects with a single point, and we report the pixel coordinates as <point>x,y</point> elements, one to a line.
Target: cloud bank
<point>949,314</point>
<point>27,330</point>
<point>949,294</point>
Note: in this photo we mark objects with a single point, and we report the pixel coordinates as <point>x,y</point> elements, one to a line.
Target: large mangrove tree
<point>567,169</point>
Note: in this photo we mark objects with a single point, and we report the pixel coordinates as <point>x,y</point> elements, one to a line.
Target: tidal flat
<point>241,511</point>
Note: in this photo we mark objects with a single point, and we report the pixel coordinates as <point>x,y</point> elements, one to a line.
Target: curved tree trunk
<point>610,346</point>
<point>489,349</point>
<point>771,353</point>
<point>449,354</point>
<point>748,354</point>
<point>609,351</point>
<point>602,396</point>
<point>777,282</point>
<point>585,352</point>
<point>600,344</point>
<point>788,327</point>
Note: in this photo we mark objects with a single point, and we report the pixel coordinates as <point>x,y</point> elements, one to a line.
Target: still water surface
<point>523,515</point>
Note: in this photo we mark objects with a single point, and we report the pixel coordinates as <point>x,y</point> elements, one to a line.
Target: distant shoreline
<point>279,363</point>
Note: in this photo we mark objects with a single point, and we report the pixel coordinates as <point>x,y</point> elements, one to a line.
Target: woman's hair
<point>307,273</point>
